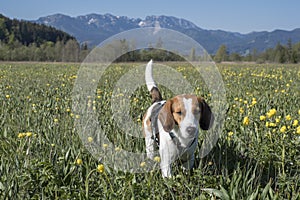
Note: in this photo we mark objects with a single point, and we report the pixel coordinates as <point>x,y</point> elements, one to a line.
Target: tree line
<point>289,53</point>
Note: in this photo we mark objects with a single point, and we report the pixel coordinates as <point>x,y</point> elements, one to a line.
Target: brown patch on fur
<point>155,95</point>
<point>148,123</point>
<point>166,116</point>
<point>178,109</point>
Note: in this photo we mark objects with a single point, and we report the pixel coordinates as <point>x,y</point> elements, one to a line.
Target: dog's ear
<point>206,116</point>
<point>166,117</point>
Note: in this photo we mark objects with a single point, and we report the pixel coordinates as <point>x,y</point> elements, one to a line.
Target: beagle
<point>172,126</point>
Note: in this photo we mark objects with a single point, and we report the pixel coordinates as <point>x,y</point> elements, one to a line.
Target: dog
<point>172,125</point>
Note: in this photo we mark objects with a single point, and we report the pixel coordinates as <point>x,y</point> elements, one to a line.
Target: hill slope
<point>27,32</point>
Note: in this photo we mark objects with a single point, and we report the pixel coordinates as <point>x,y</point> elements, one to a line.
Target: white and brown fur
<point>177,124</point>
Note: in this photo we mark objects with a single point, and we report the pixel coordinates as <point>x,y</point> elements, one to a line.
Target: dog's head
<point>188,112</point>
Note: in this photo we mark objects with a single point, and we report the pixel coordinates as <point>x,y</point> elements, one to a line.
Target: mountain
<point>94,28</point>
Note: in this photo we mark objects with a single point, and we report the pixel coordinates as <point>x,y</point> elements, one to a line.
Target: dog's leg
<point>165,164</point>
<point>168,153</point>
<point>150,144</point>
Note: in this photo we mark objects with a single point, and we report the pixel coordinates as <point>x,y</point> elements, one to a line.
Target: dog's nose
<point>191,129</point>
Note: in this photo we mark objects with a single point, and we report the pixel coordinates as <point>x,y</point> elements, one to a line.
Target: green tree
<point>222,54</point>
<point>280,54</point>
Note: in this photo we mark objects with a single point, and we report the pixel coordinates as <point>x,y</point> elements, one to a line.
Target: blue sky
<point>230,15</point>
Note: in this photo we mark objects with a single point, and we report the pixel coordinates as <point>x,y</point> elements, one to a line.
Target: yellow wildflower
<point>298,130</point>
<point>246,121</point>
<point>277,120</point>
<point>143,164</point>
<point>105,146</point>
<point>288,117</point>
<point>241,110</point>
<point>29,134</point>
<point>262,118</point>
<point>100,168</point>
<point>283,129</point>
<point>230,133</point>
<point>55,120</point>
<point>79,161</point>
<point>157,159</point>
<point>21,135</point>
<point>271,113</point>
<point>90,139</point>
<point>295,123</point>
<point>267,124</point>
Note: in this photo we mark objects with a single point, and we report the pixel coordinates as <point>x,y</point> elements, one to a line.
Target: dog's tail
<point>151,85</point>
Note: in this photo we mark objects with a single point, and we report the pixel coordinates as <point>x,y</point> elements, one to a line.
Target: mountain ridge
<point>94,28</point>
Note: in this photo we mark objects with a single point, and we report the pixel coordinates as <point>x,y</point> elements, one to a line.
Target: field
<point>43,157</point>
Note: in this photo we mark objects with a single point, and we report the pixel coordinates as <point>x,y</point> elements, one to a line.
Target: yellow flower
<point>288,117</point>
<point>157,159</point>
<point>230,133</point>
<point>277,120</point>
<point>7,96</point>
<point>271,113</point>
<point>105,146</point>
<point>143,164</point>
<point>262,118</point>
<point>253,103</point>
<point>283,129</point>
<point>55,120</point>
<point>241,110</point>
<point>29,134</point>
<point>246,121</point>
<point>298,130</point>
<point>21,135</point>
<point>78,161</point>
<point>267,124</point>
<point>90,139</point>
<point>299,112</point>
<point>100,168</point>
<point>117,149</point>
<point>295,123</point>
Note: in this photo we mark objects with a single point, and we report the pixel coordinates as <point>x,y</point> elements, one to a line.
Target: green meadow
<point>42,156</point>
